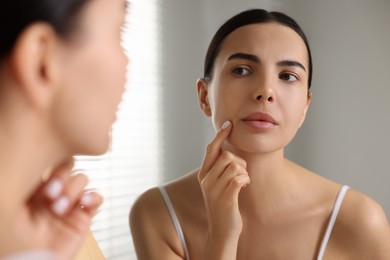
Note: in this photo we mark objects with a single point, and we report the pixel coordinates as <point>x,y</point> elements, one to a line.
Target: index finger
<point>214,149</point>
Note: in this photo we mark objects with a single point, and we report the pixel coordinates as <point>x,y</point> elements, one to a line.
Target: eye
<point>288,77</point>
<point>241,71</point>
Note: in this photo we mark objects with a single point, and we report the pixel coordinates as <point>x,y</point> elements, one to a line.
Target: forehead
<point>266,40</point>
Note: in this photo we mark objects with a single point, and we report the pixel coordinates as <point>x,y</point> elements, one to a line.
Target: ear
<point>202,88</point>
<point>309,95</point>
<point>32,62</point>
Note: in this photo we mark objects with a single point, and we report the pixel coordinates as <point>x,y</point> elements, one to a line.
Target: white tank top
<point>324,242</point>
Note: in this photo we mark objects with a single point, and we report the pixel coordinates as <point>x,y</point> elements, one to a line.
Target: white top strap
<point>175,220</point>
<point>336,208</point>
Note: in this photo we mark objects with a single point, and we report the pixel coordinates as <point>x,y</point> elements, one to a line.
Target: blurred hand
<point>58,214</point>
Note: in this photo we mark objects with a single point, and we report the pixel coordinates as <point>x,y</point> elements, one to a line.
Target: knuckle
<point>85,178</point>
<point>228,156</point>
<point>200,176</point>
<point>206,188</point>
<point>81,178</point>
<point>234,166</point>
<point>204,183</point>
<point>236,182</point>
<point>243,163</point>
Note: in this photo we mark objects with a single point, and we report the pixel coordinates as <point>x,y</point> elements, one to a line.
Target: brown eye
<point>288,77</point>
<point>241,71</point>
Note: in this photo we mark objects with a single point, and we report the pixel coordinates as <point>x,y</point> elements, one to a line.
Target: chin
<point>95,148</point>
<point>98,152</point>
<point>102,149</point>
<point>252,145</point>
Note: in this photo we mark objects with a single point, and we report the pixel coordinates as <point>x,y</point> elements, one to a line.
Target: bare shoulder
<point>150,204</point>
<point>361,230</point>
<point>364,215</point>
<point>146,204</point>
<point>151,226</point>
<point>362,227</point>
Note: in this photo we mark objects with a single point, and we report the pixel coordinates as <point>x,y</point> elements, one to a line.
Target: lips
<point>260,120</point>
<point>261,117</point>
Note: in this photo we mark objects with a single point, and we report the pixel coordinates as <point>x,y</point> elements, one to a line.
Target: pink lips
<point>260,120</point>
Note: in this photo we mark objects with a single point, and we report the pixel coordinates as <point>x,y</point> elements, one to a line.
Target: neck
<point>273,182</point>
<point>27,151</point>
<point>263,168</point>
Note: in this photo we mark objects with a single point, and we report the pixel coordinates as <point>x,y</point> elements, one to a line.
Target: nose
<point>265,95</point>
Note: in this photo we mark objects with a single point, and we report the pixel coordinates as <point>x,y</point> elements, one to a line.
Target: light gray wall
<point>345,136</point>
<point>181,60</point>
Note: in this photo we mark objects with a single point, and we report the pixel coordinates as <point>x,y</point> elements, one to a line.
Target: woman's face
<point>260,84</point>
<point>92,78</point>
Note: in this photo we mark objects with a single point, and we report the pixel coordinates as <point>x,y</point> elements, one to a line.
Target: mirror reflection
<point>161,132</point>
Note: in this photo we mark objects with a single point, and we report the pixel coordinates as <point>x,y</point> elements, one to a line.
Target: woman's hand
<point>221,178</point>
<point>57,216</point>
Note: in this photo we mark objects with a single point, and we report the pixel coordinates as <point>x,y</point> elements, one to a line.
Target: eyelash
<point>241,68</point>
<point>248,72</point>
<point>290,75</point>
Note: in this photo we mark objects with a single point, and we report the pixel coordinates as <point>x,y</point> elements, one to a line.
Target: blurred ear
<point>33,63</point>
<point>202,88</point>
<point>309,95</point>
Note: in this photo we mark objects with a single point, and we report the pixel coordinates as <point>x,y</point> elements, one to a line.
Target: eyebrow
<point>244,56</point>
<point>255,59</point>
<point>291,63</point>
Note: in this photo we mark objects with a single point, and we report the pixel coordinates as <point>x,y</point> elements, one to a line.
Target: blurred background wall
<point>346,134</point>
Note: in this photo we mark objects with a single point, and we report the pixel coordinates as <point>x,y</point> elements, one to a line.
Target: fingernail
<point>61,205</point>
<point>86,199</point>
<point>225,125</point>
<point>54,188</point>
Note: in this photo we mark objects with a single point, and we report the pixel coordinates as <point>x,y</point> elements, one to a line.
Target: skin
<point>58,98</point>
<point>246,201</point>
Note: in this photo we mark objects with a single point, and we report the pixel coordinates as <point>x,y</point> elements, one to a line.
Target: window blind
<point>133,163</point>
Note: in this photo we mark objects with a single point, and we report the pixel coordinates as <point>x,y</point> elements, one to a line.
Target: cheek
<point>294,109</point>
<point>78,123</point>
<point>103,74</point>
<point>113,66</point>
<point>86,106</point>
<point>224,106</point>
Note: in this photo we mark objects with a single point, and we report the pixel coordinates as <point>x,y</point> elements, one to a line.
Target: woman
<point>62,74</point>
<point>247,201</point>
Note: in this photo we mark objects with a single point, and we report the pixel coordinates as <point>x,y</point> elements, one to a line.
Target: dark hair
<point>252,16</point>
<point>16,15</point>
